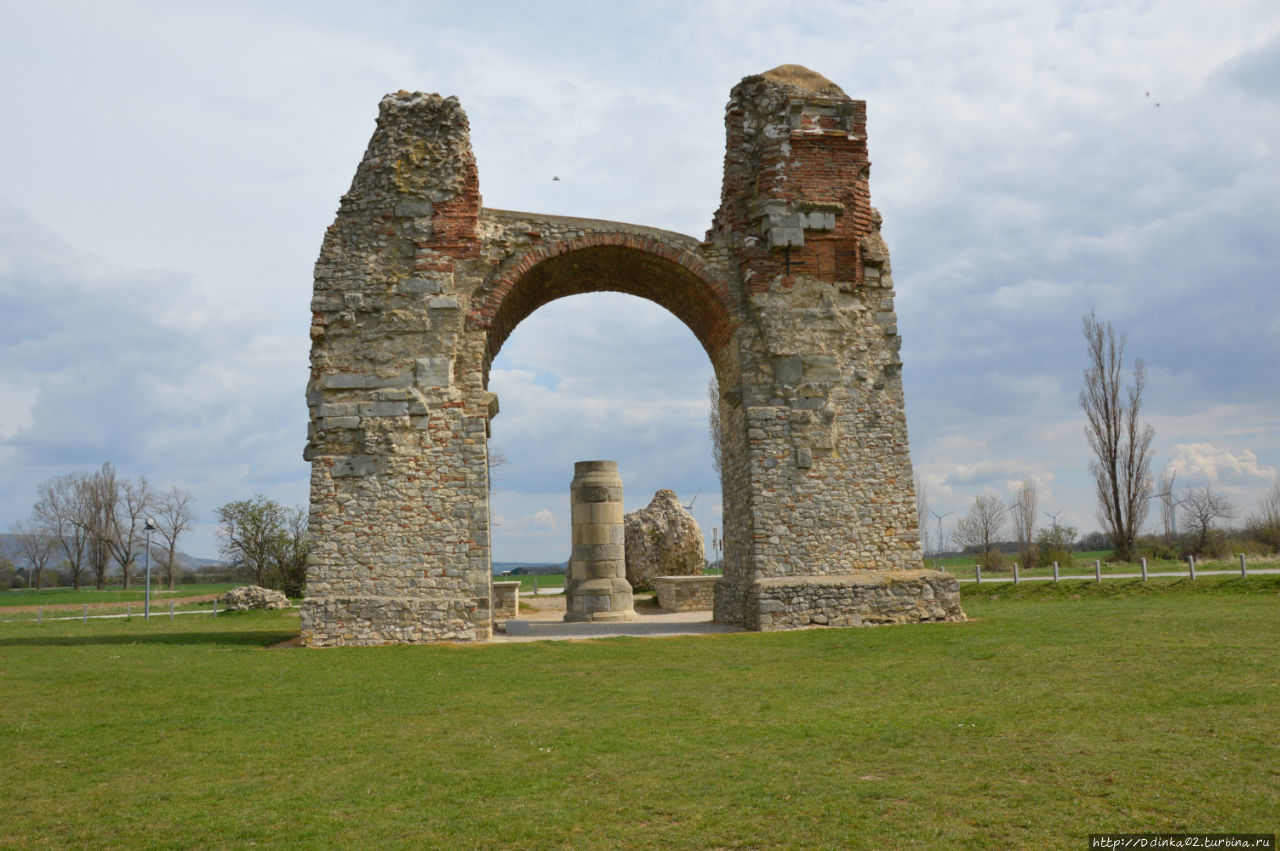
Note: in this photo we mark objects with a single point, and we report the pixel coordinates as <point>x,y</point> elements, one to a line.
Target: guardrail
<point>1098,575</point>
<point>128,613</point>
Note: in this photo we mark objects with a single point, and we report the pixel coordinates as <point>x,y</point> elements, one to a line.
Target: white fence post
<point>86,612</point>
<point>128,611</point>
<point>977,570</point>
<point>215,607</point>
<point>170,610</point>
<point>1191,565</point>
<point>1244,571</point>
<point>1055,571</point>
<point>1097,570</point>
<point>1015,573</point>
<point>40,615</point>
<point>1144,570</point>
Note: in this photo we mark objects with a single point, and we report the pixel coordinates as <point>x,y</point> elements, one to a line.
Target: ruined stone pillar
<point>596,587</point>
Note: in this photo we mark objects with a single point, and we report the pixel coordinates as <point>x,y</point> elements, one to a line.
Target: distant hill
<point>499,567</point>
<point>9,549</point>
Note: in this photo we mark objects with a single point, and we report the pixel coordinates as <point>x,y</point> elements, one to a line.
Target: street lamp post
<point>146,608</point>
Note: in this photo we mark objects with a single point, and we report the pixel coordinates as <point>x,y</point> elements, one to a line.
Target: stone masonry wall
<point>829,483</point>
<point>862,599</point>
<point>790,294</point>
<point>399,478</point>
<point>686,593</point>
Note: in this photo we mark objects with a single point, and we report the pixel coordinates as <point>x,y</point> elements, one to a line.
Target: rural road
<point>1150,575</point>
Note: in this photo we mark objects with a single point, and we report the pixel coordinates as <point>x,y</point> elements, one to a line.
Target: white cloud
<point>1204,462</point>
<point>1025,176</point>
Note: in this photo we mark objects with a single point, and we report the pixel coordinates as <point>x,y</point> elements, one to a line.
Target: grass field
<point>554,580</point>
<point>115,594</point>
<point>1056,712</point>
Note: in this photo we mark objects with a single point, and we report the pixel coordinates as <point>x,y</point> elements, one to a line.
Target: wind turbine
<point>937,558</point>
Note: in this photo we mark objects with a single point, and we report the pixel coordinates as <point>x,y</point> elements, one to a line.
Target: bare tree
<point>113,514</point>
<point>126,519</point>
<point>1265,526</point>
<point>1168,506</point>
<point>497,460</point>
<point>292,547</point>
<point>713,426</point>
<point>36,546</point>
<point>173,515</point>
<point>1121,444</point>
<point>1200,508</point>
<point>1024,520</point>
<point>99,494</point>
<point>1269,506</point>
<point>60,512</point>
<point>982,528</point>
<point>922,511</point>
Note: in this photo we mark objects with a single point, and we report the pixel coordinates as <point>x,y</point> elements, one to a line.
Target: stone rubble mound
<point>662,539</point>
<point>248,597</point>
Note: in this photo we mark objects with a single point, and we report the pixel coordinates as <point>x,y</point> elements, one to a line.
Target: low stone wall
<point>346,622</point>
<point>506,600</point>
<point>860,599</point>
<point>686,593</point>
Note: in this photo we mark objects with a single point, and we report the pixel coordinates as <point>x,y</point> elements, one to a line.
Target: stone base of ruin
<point>601,617</point>
<point>866,598</point>
<point>686,593</point>
<point>600,600</point>
<point>348,622</point>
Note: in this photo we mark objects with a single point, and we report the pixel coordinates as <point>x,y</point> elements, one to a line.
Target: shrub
<point>1055,543</point>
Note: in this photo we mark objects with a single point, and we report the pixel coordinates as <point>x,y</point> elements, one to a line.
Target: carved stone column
<point>596,586</point>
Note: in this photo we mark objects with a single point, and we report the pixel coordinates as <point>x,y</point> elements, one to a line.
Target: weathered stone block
<point>506,599</point>
<point>415,209</point>
<point>788,370</point>
<point>342,380</point>
<point>662,539</point>
<point>782,237</point>
<point>686,593</point>
<point>419,285</point>
<point>434,372</point>
<point>353,465</point>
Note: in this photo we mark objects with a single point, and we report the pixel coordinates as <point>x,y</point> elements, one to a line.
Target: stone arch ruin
<point>790,293</point>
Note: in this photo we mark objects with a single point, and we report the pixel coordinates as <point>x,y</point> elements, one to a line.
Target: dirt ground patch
<point>97,607</point>
<point>551,607</point>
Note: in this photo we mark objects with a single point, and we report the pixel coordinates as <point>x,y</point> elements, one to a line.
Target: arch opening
<point>600,375</point>
<point>621,268</point>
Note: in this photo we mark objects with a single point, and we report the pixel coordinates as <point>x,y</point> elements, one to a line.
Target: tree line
<point>1120,444</point>
<point>88,525</point>
<point>95,521</point>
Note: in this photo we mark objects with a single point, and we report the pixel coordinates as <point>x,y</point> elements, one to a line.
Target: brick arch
<point>609,262</point>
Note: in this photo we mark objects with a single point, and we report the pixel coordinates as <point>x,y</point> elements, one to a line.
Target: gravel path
<point>546,623</point>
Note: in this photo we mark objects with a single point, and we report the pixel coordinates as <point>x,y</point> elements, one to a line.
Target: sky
<point>167,171</point>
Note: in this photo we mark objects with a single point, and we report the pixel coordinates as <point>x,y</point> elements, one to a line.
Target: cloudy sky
<point>167,171</point>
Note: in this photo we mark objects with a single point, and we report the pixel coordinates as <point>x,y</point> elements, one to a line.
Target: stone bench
<point>506,600</point>
<point>865,598</point>
<point>686,593</point>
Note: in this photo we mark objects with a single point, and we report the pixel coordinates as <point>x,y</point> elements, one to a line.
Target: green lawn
<point>555,580</point>
<point>1057,713</point>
